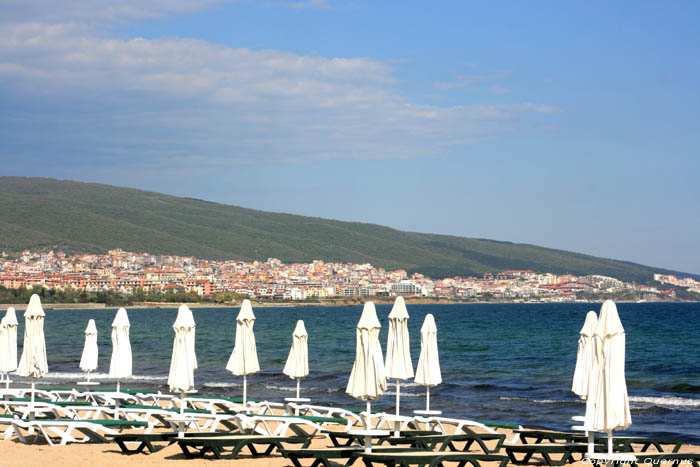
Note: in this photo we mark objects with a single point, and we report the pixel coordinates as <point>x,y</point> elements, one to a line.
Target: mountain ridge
<point>89,217</point>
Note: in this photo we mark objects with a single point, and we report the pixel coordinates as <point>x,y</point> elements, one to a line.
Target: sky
<point>572,125</point>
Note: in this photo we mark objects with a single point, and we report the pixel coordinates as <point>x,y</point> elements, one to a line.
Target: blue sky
<point>573,125</point>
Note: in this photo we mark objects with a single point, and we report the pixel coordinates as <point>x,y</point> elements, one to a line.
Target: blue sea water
<point>505,362</point>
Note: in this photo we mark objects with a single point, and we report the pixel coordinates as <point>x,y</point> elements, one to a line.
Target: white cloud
<point>298,5</point>
<point>186,101</point>
<point>499,90</point>
<point>81,11</point>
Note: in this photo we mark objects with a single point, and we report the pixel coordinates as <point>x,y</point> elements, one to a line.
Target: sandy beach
<point>108,455</point>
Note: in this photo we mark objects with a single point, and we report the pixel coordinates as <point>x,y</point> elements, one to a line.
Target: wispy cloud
<point>79,11</point>
<point>499,90</point>
<point>189,103</point>
<point>300,5</point>
<point>469,81</point>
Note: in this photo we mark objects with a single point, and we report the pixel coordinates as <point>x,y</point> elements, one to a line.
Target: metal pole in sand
<point>244,392</point>
<point>397,423</point>
<point>368,438</point>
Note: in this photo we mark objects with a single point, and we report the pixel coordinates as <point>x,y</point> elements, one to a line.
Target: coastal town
<point>272,280</point>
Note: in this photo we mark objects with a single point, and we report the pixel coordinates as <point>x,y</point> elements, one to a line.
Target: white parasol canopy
<point>428,371</point>
<point>398,365</point>
<point>244,358</point>
<point>585,356</point>
<point>120,364</point>
<point>297,366</point>
<point>8,344</point>
<point>88,361</point>
<point>607,406</point>
<point>367,379</point>
<point>33,361</point>
<point>184,360</point>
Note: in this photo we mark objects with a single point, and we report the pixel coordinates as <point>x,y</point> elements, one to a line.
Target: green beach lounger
<point>552,453</point>
<point>200,446</point>
<point>345,438</point>
<point>428,458</point>
<point>147,441</point>
<point>449,442</point>
<point>323,456</point>
<point>620,443</point>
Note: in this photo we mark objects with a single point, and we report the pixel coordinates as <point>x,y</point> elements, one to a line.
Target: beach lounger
<point>449,426</point>
<point>151,441</point>
<point>428,458</point>
<point>6,419</point>
<point>323,411</point>
<point>450,442</point>
<point>217,445</point>
<point>620,443</point>
<point>341,439</point>
<point>323,456</point>
<point>553,454</point>
<point>47,429</point>
<point>278,425</point>
<point>233,404</point>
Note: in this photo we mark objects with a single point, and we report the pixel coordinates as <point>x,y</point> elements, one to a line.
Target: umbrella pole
<point>88,377</point>
<point>397,424</point>
<point>427,398</point>
<point>181,424</point>
<point>116,401</point>
<point>244,391</point>
<point>610,442</point>
<point>368,438</point>
<point>298,384</point>
<point>591,449</point>
<point>31,404</point>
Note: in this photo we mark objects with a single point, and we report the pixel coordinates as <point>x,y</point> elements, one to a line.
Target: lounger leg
<point>549,461</point>
<point>524,460</point>
<point>192,455</point>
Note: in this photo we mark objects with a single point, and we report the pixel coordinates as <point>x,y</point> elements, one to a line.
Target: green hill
<point>87,217</point>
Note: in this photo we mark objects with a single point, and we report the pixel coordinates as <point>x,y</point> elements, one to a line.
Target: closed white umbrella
<point>88,361</point>
<point>585,356</point>
<point>607,406</point>
<point>367,379</point>
<point>8,344</point>
<point>297,366</point>
<point>244,358</point>
<point>120,363</point>
<point>398,363</point>
<point>428,370</point>
<point>33,361</point>
<point>183,361</point>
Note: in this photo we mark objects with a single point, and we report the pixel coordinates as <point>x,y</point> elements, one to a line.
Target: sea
<point>510,363</point>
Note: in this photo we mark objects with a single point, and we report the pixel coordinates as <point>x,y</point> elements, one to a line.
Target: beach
<point>108,455</point>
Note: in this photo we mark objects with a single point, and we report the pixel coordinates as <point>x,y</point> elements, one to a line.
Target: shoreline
<point>339,303</point>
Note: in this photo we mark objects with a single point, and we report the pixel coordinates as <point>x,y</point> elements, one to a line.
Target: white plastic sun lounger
<point>278,425</point>
<point>227,405</point>
<point>65,430</point>
<point>323,411</point>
